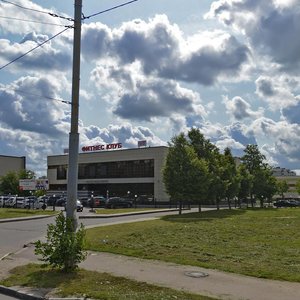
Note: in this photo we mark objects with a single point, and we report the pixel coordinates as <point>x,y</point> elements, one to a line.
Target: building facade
<point>121,172</point>
<point>291,178</point>
<point>283,172</point>
<point>11,164</point>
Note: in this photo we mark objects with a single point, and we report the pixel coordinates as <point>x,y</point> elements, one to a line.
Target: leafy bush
<point>64,246</point>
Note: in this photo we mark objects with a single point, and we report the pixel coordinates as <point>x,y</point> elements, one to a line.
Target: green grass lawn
<point>6,213</point>
<point>257,242</point>
<point>92,285</point>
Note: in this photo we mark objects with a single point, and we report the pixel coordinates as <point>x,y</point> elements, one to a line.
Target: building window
<point>118,169</point>
<point>62,172</point>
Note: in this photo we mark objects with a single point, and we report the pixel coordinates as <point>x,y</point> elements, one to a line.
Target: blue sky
<point>150,70</point>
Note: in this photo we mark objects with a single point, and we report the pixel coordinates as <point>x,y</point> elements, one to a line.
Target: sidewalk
<point>216,284</point>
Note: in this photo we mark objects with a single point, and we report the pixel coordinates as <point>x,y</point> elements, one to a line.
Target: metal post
<point>74,135</point>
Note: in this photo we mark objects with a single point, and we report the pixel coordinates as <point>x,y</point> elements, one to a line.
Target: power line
<point>32,21</point>
<point>109,9</point>
<point>39,11</point>
<point>36,95</point>
<point>39,45</point>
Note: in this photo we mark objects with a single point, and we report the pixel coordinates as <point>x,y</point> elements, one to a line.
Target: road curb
<point>14,292</point>
<point>26,218</point>
<point>103,216</point>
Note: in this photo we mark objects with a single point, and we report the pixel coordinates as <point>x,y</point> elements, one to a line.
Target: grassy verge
<point>92,285</point>
<point>257,242</point>
<point>121,210</point>
<point>6,213</point>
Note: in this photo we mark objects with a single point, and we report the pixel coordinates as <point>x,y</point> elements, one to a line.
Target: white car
<point>35,203</point>
<point>16,202</point>
<point>3,200</point>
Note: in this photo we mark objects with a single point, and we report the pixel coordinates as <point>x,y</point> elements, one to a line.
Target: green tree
<point>198,186</point>
<point>219,182</point>
<point>230,176</point>
<point>253,160</point>
<point>63,248</point>
<point>9,183</point>
<point>245,184</point>
<point>282,187</point>
<point>264,184</point>
<point>176,169</point>
<point>210,154</point>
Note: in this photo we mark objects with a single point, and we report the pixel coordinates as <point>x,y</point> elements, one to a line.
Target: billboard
<point>33,184</point>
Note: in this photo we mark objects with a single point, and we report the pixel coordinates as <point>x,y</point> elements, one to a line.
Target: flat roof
<point>114,150</point>
<point>11,156</point>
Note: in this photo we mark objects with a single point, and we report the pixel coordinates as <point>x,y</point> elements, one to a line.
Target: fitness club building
<point>109,170</point>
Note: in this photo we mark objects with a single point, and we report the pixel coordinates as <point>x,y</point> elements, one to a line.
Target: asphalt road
<point>14,235</point>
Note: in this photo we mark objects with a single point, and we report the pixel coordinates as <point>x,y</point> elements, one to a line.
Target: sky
<point>150,70</point>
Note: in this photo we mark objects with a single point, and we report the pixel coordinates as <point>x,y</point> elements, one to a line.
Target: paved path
<point>217,284</point>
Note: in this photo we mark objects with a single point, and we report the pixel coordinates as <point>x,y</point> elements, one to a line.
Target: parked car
<point>116,202</point>
<point>79,206</point>
<point>85,201</point>
<point>145,199</point>
<point>35,203</point>
<point>15,202</point>
<point>29,202</point>
<point>286,203</point>
<point>53,200</point>
<point>61,201</point>
<point>97,201</point>
<point>3,200</point>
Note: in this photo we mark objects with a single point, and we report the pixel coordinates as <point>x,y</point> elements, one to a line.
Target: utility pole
<point>74,135</point>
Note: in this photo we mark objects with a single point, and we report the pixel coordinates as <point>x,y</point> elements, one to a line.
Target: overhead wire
<point>36,95</point>
<point>109,9</point>
<point>39,45</point>
<point>38,11</point>
<point>33,21</point>
<point>59,33</point>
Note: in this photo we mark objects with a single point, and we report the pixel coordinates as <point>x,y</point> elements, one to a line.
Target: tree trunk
<point>218,204</point>
<point>252,202</point>
<point>180,207</point>
<point>199,207</point>
<point>229,203</point>
<point>261,203</point>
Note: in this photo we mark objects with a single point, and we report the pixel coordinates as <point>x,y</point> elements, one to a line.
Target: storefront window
<point>119,169</point>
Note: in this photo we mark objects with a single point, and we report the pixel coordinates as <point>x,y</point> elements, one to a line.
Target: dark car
<point>286,203</point>
<point>52,200</point>
<point>118,202</point>
<point>85,201</point>
<point>61,201</point>
<point>97,201</point>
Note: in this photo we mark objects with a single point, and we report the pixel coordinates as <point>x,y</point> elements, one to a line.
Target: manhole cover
<point>196,274</point>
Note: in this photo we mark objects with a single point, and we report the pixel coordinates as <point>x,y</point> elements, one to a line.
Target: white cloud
<point>126,134</point>
<point>271,27</point>
<point>162,51</point>
<point>277,91</point>
<point>25,104</point>
<point>240,109</point>
<point>46,57</point>
<point>18,20</point>
<point>283,136</point>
